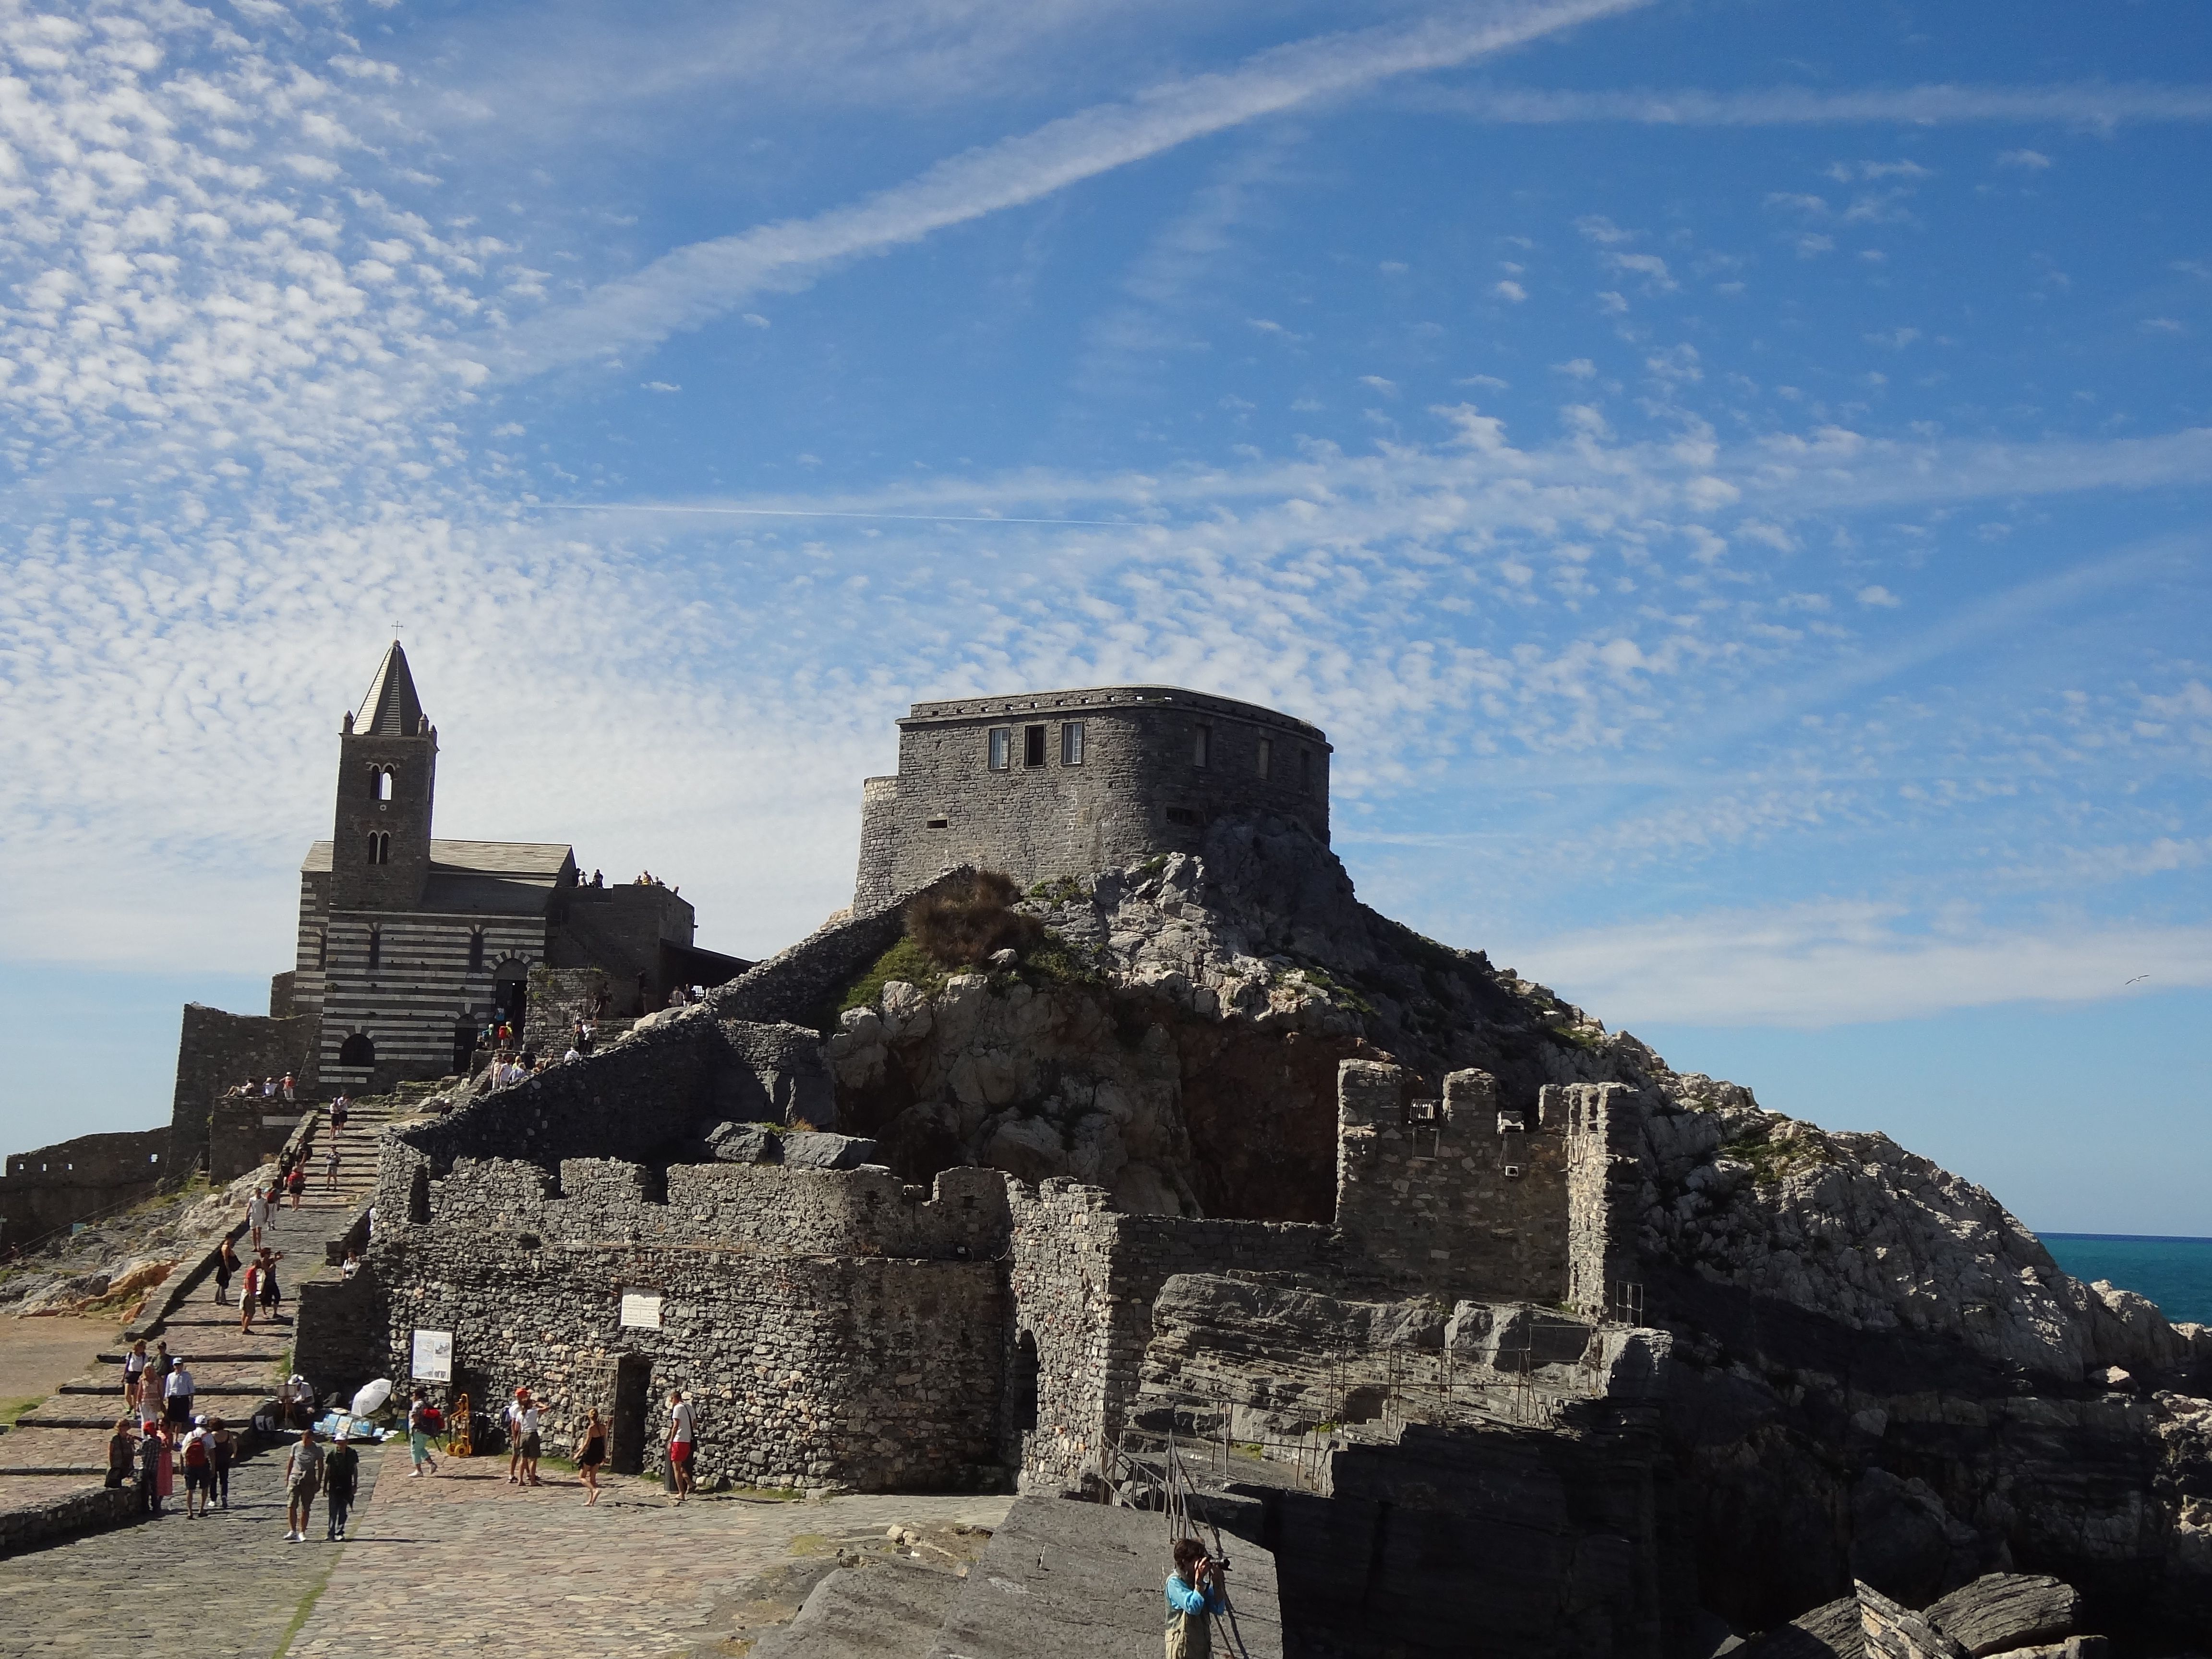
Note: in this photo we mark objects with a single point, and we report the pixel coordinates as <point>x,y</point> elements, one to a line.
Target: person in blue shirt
<point>1195,1595</point>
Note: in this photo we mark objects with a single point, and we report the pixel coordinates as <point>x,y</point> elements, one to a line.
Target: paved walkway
<point>464,1562</point>
<point>221,1586</point>
<point>61,1445</point>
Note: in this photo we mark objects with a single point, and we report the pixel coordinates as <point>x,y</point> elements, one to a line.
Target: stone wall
<point>1083,1278</point>
<point>1604,1128</point>
<point>45,1191</point>
<point>1140,787</point>
<point>1468,1201</point>
<point>216,1050</point>
<point>833,1329</point>
<point>559,997</point>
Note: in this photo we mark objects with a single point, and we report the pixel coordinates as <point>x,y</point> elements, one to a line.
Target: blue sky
<point>1731,477</point>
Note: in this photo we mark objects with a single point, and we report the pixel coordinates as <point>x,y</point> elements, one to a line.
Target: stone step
<point>217,1356</point>
<point>201,1392</point>
<point>97,1471</point>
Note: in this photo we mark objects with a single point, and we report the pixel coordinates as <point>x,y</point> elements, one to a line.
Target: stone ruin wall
<point>216,1050</point>
<point>832,1328</point>
<point>947,807</point>
<point>1464,1204</point>
<point>45,1191</point>
<point>1086,1279</point>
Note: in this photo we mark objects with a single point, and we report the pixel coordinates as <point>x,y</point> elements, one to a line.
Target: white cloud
<point>684,288</point>
<point>660,385</point>
<point>1510,291</point>
<point>2091,106</point>
<point>1650,267</point>
<point>2027,161</point>
<point>1844,963</point>
<point>1878,597</point>
<point>1582,369</point>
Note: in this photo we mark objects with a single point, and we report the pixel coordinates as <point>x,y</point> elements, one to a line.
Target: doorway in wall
<point>626,1422</point>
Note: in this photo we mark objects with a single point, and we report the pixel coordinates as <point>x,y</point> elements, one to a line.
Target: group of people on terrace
<point>265,1088</point>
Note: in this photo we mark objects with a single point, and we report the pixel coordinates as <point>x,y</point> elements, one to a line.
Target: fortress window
<point>1071,743</point>
<point>475,951</point>
<point>1182,815</point>
<point>940,824</point>
<point>1002,748</point>
<point>1267,754</point>
<point>1033,745</point>
<point>379,846</point>
<point>1201,745</point>
<point>384,783</point>
<point>375,949</point>
<point>1305,770</point>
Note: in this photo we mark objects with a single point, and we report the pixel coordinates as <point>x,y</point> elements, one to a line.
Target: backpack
<point>196,1455</point>
<point>432,1419</point>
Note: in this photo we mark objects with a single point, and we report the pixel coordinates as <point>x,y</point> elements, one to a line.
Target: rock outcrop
<point>1878,1373</point>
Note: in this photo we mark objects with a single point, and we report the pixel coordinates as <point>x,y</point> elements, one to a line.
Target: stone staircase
<point>60,1447</point>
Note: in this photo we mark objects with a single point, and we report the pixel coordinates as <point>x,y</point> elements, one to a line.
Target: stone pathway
<point>464,1562</point>
<point>224,1585</point>
<point>60,1446</point>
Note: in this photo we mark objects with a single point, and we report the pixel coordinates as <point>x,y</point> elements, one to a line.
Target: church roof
<point>390,709</point>
<point>516,861</point>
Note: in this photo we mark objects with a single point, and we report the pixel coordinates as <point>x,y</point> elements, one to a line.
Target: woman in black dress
<point>593,1453</point>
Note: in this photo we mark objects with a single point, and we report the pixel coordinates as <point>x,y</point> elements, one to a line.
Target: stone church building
<point>408,945</point>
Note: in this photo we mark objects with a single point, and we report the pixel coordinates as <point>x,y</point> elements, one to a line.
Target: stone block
<point>1893,1631</point>
<point>2001,1611</point>
<point>826,1151</point>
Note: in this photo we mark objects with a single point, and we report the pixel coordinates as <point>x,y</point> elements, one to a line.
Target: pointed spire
<point>390,709</point>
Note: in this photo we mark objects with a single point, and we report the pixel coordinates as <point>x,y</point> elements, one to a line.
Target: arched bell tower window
<point>375,949</point>
<point>379,846</point>
<point>384,783</point>
<point>476,950</point>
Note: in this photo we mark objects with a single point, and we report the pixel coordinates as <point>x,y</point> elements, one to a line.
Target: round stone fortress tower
<point>1038,784</point>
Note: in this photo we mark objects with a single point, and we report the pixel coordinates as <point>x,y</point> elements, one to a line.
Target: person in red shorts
<point>682,1432</point>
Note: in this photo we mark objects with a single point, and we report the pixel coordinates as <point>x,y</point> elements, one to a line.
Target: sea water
<point>2174,1272</point>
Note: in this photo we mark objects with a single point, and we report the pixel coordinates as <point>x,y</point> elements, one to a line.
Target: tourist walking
<point>341,1472</point>
<point>339,1109</point>
<point>528,1423</point>
<point>423,1422</point>
<point>331,1162</point>
<point>682,1430</point>
<point>177,1392</point>
<point>303,1479</point>
<point>249,1294</point>
<point>134,1371</point>
<point>225,1264</point>
<point>273,1295</point>
<point>591,1455</point>
<point>511,1419</point>
<point>198,1452</point>
<point>288,1086</point>
<point>1195,1597</point>
<point>153,1469</point>
<point>296,1183</point>
<point>256,1216</point>
<point>223,1445</point>
<point>122,1452</point>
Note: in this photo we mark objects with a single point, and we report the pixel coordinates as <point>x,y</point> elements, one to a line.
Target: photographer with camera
<point>1195,1596</point>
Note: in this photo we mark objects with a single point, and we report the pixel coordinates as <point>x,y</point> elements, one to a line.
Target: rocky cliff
<point>1882,1374</point>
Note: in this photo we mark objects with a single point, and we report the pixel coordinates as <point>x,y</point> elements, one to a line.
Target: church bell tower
<point>387,772</point>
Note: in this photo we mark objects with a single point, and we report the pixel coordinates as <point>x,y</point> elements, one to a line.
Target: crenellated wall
<point>831,1329</point>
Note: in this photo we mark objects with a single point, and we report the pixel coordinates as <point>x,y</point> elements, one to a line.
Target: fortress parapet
<point>1038,784</point>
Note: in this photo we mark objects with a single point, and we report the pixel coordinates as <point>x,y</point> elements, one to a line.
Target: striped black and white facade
<point>408,945</point>
<point>411,982</point>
